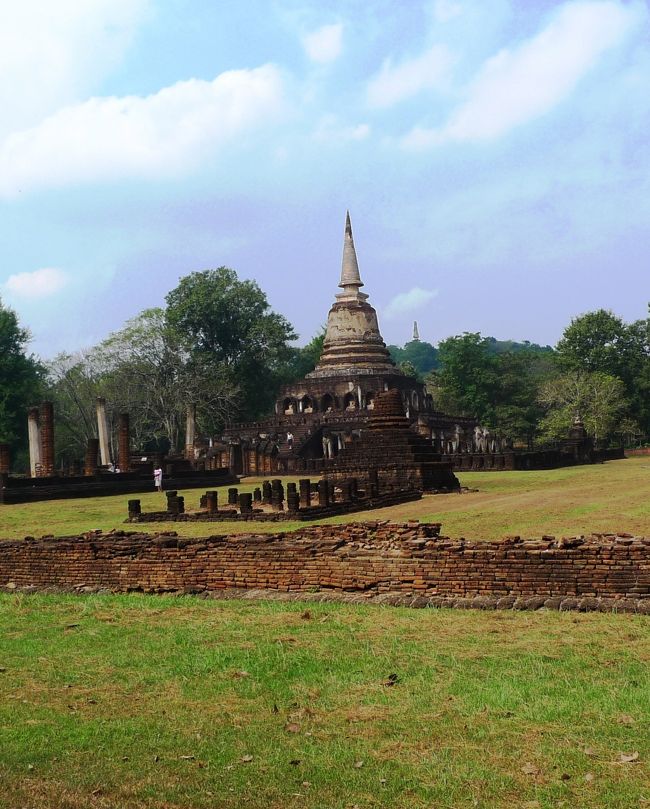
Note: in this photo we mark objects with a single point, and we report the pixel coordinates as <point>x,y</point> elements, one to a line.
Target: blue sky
<point>493,154</point>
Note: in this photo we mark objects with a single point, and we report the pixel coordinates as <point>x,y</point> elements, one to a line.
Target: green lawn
<point>604,497</point>
<point>142,701</point>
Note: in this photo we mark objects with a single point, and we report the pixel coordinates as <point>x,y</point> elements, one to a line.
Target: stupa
<point>353,345</point>
<point>393,454</point>
<point>318,416</point>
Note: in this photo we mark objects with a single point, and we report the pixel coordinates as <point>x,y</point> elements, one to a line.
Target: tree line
<point>599,371</point>
<point>217,346</point>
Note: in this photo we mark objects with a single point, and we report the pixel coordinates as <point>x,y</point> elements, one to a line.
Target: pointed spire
<point>416,333</point>
<point>350,276</point>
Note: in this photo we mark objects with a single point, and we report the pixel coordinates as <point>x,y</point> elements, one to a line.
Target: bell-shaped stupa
<point>353,345</point>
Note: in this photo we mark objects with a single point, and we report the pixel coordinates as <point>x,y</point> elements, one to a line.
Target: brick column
<point>92,457</point>
<point>123,442</point>
<point>5,458</point>
<point>47,439</point>
<point>305,493</point>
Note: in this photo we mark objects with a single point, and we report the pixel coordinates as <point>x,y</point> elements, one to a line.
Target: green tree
<point>21,382</point>
<point>517,410</point>
<point>407,367</point>
<point>151,373</point>
<point>144,370</point>
<point>599,399</point>
<point>499,389</point>
<point>304,359</point>
<point>468,377</point>
<point>514,347</point>
<point>74,383</point>
<point>228,324</point>
<point>602,342</point>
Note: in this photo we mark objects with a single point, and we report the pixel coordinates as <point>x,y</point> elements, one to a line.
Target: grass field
<point>147,702</point>
<point>604,497</point>
<point>127,702</point>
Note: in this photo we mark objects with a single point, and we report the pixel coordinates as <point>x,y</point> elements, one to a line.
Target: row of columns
<point>40,428</point>
<point>40,431</point>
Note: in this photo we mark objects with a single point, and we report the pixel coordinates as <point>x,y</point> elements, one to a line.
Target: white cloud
<point>331,130</point>
<point>37,284</point>
<point>409,301</point>
<point>325,44</point>
<point>52,53</point>
<point>520,84</point>
<point>161,135</point>
<point>395,83</point>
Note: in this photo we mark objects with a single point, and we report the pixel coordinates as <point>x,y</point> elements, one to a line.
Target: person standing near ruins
<point>290,440</point>
<point>157,478</point>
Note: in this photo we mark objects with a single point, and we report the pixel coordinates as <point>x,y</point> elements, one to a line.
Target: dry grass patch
<point>576,500</point>
<point>156,702</point>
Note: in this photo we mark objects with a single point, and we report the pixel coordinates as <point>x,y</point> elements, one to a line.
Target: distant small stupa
<point>416,333</point>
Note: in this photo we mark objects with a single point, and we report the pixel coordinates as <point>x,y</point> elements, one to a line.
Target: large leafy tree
<point>144,370</point>
<point>599,399</point>
<point>153,375</point>
<point>468,378</point>
<point>521,373</point>
<point>21,381</point>
<point>304,359</point>
<point>75,382</point>
<point>499,389</point>
<point>228,323</point>
<point>602,342</point>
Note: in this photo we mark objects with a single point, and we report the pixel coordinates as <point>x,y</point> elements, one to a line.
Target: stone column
<point>123,442</point>
<point>34,432</point>
<point>266,493</point>
<point>233,495</point>
<point>102,431</point>
<point>190,432</point>
<point>5,458</point>
<point>47,439</point>
<point>92,457</point>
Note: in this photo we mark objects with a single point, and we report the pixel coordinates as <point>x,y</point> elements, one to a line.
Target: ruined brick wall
<point>600,572</point>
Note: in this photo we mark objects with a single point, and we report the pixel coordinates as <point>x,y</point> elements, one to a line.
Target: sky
<point>493,155</point>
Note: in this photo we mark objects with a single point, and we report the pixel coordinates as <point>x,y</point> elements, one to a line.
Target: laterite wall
<point>599,572</point>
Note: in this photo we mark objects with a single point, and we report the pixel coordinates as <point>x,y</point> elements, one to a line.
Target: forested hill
<point>424,357</point>
<point>512,346</point>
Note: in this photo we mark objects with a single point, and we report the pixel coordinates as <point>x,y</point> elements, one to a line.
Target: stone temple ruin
<point>321,416</point>
<point>389,464</point>
<point>323,424</point>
